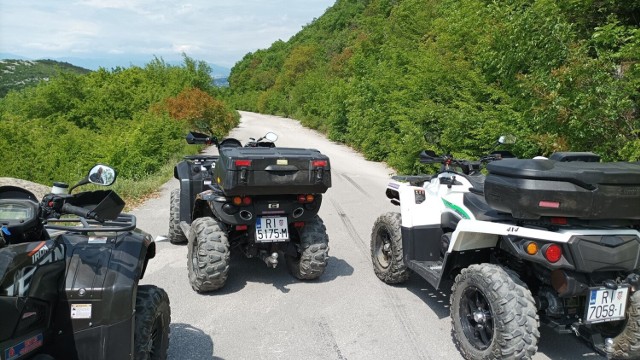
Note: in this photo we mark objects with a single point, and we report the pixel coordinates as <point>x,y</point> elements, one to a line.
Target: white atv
<point>552,240</point>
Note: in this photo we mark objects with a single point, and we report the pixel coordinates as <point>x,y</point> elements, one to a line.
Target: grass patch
<point>135,192</point>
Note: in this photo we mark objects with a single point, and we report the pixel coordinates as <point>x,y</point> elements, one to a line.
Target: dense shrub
<point>378,74</point>
<point>57,130</point>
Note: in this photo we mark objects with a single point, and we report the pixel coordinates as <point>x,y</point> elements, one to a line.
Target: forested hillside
<point>134,119</point>
<point>378,74</point>
<point>18,74</point>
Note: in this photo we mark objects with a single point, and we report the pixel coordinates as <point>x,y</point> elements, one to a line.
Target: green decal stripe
<point>456,208</point>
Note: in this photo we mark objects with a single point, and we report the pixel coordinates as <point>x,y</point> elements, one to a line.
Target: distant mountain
<point>113,61</point>
<point>12,56</point>
<point>18,73</point>
<point>125,62</point>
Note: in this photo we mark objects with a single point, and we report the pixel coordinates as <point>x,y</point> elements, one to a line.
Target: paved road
<point>348,313</point>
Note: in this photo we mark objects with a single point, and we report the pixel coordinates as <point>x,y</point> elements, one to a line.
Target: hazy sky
<point>216,31</point>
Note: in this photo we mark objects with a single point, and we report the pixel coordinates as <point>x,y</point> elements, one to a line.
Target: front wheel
<point>152,318</point>
<point>386,249</point>
<point>208,256</point>
<point>313,251</point>
<point>493,314</point>
<point>175,235</point>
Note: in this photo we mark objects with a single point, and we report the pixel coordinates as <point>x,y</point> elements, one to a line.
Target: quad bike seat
<point>481,209</point>
<point>413,180</point>
<point>477,183</point>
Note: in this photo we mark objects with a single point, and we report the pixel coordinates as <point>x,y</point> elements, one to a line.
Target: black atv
<point>257,198</point>
<point>69,272</point>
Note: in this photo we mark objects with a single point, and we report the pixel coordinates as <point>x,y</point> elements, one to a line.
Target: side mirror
<point>507,139</point>
<point>199,138</point>
<point>271,136</point>
<point>102,175</point>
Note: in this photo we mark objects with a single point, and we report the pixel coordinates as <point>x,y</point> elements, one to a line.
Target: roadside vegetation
<point>374,74</point>
<point>378,74</point>
<point>134,119</point>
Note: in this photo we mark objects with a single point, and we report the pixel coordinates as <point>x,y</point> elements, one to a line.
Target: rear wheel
<point>386,249</point>
<point>208,256</point>
<point>176,236</point>
<point>493,314</point>
<point>627,344</point>
<point>153,315</point>
<point>313,251</point>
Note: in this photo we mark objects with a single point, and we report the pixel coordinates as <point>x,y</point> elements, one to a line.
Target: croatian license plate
<point>270,229</point>
<point>606,304</point>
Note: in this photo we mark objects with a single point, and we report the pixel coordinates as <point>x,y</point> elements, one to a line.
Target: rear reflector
<point>298,224</point>
<point>559,221</point>
<point>319,163</point>
<point>531,248</point>
<point>553,253</point>
<point>549,204</point>
<point>243,162</point>
<point>241,227</point>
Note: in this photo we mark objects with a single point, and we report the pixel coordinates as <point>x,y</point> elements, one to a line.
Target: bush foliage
<point>133,119</point>
<point>378,74</point>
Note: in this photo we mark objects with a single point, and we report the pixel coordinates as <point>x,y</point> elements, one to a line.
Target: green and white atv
<point>553,241</point>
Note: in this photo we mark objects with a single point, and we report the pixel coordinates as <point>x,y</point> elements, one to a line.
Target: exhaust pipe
<point>270,260</point>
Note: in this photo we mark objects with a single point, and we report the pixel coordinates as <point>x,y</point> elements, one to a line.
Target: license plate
<point>606,304</point>
<point>270,229</point>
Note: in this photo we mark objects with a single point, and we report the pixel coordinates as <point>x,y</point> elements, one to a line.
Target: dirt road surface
<point>348,313</point>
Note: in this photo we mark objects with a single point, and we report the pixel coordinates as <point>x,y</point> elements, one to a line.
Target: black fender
<point>182,172</point>
<point>100,288</point>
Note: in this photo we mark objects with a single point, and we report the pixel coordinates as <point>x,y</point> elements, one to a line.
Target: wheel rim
<point>476,318</point>
<point>382,248</point>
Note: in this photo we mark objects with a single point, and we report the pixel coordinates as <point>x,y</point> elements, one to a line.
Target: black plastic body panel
<point>583,190</point>
<point>605,253</point>
<point>421,243</point>
<point>575,156</point>
<point>273,205</point>
<point>98,274</point>
<point>272,171</point>
<point>193,173</point>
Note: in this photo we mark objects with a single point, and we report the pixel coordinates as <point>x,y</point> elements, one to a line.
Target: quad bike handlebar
<point>468,166</point>
<point>25,219</point>
<point>268,140</point>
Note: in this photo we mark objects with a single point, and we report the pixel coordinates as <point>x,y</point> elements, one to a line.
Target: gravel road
<point>348,313</point>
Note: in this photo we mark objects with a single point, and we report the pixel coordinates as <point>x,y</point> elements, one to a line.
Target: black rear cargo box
<point>529,189</point>
<point>272,171</point>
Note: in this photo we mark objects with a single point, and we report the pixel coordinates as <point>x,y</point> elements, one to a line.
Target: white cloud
<point>217,31</point>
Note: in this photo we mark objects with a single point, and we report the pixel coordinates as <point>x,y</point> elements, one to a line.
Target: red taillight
<point>553,253</point>
<point>319,163</point>
<point>242,163</point>
<point>241,227</point>
<point>559,221</point>
<point>239,200</point>
<point>304,199</point>
<point>549,204</point>
<point>298,224</point>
